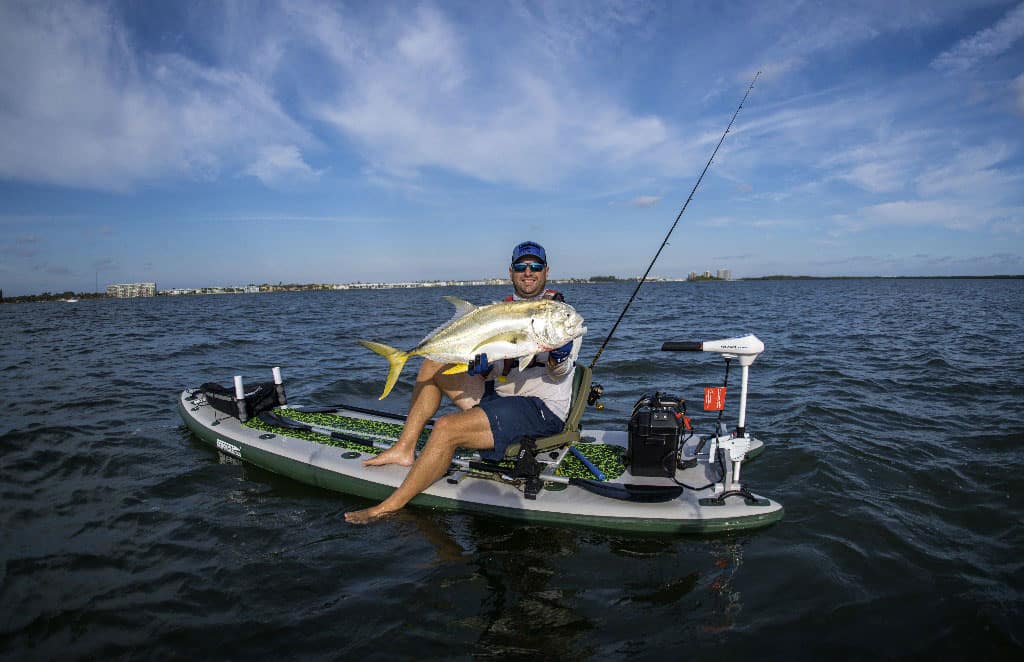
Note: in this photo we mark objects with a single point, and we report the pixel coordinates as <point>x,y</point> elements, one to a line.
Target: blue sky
<point>226,143</point>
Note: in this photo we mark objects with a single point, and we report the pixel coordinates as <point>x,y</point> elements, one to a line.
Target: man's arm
<point>562,360</point>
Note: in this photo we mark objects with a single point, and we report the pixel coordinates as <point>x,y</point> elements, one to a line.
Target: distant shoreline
<point>30,298</point>
<point>781,277</point>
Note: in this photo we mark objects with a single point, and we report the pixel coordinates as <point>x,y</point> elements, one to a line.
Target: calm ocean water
<point>893,413</point>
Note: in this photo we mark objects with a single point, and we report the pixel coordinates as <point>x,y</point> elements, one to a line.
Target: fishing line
<point>665,241</point>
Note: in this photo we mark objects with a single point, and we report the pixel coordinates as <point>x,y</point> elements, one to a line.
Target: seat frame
<point>571,431</point>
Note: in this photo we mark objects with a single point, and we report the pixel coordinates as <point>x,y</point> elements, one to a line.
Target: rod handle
<point>683,347</point>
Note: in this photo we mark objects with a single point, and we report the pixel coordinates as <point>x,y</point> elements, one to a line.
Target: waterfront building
<point>131,290</point>
<point>721,274</point>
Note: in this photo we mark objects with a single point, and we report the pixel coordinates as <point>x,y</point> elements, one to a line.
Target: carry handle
<point>682,347</point>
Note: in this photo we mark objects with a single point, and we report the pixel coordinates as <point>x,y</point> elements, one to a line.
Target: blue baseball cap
<point>529,248</point>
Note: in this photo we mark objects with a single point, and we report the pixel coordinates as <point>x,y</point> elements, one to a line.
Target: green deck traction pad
<point>607,458</point>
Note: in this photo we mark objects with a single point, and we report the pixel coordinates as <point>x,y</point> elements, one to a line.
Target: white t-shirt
<point>552,384</point>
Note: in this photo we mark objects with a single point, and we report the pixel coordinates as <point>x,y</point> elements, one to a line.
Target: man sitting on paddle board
<point>494,412</point>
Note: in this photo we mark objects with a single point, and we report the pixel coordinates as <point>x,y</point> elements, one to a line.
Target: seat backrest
<point>571,431</point>
<point>580,392</point>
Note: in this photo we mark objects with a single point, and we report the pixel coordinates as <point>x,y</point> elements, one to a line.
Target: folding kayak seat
<point>571,432</point>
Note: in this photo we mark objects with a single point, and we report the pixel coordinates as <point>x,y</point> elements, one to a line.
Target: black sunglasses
<point>520,267</point>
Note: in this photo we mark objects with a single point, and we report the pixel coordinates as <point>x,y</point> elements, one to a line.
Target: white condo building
<point>131,290</point>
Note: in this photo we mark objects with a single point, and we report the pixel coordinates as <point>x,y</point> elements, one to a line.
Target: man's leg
<point>466,429</point>
<point>431,384</point>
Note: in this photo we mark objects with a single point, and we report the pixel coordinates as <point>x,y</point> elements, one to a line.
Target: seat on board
<point>571,432</point>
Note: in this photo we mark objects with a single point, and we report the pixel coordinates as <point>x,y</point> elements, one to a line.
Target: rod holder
<point>243,414</point>
<point>279,385</point>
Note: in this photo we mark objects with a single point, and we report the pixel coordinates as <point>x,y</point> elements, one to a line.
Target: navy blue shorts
<point>516,416</point>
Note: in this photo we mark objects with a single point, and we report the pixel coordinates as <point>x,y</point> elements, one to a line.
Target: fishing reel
<point>593,399</point>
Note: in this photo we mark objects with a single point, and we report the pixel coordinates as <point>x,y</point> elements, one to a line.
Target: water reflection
<point>552,591</point>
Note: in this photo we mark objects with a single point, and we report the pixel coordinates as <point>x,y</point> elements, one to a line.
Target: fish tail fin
<point>396,360</point>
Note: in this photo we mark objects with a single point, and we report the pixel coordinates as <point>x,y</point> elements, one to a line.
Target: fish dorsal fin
<point>462,307</point>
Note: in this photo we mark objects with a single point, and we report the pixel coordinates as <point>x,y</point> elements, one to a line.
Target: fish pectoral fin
<point>525,361</point>
<point>456,369</point>
<point>509,337</point>
<point>462,307</point>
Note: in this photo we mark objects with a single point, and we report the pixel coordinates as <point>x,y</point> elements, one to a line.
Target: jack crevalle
<point>504,330</point>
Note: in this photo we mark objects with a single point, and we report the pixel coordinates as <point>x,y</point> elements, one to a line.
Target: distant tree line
<point>785,277</point>
<point>51,296</point>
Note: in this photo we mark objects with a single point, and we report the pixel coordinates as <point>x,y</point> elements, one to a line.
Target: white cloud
<point>877,177</point>
<point>987,43</point>
<point>767,223</point>
<point>917,212</point>
<point>778,68</point>
<point>645,200</point>
<point>806,31</point>
<point>972,173</point>
<point>425,88</point>
<point>947,214</point>
<point>563,31</point>
<point>930,161</point>
<point>1014,226</point>
<point>282,166</point>
<point>80,106</point>
<point>419,99</point>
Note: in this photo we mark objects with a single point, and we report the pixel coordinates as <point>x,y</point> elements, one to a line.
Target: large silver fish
<point>505,330</point>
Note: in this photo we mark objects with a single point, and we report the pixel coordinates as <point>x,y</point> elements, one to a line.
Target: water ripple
<point>892,411</point>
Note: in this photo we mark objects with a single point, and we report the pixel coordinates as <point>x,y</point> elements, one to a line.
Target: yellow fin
<point>456,369</point>
<point>396,360</point>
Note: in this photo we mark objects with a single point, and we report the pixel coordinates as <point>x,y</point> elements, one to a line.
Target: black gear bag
<point>655,429</point>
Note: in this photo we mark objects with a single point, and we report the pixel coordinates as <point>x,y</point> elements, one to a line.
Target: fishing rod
<point>593,397</point>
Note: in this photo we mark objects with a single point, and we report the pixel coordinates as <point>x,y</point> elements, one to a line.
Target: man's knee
<point>428,370</point>
<point>460,430</point>
<point>444,432</point>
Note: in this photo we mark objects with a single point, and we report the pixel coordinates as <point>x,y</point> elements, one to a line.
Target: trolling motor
<point>744,349</point>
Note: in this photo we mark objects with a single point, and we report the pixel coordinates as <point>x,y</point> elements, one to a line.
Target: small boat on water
<point>656,474</point>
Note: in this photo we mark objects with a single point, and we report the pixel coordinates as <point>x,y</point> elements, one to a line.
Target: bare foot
<point>392,455</point>
<point>367,515</point>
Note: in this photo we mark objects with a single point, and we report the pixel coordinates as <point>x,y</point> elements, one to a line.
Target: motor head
<point>745,348</point>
